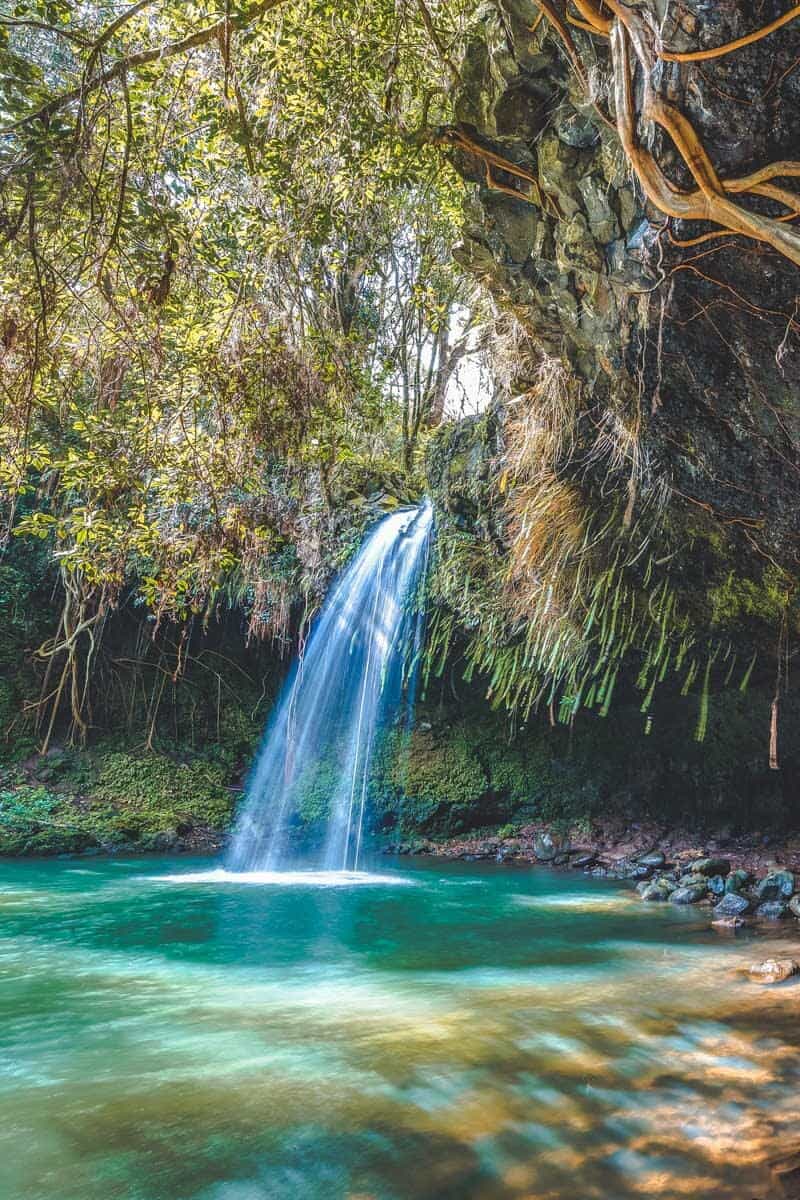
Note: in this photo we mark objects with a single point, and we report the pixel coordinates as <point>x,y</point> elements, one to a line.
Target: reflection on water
<point>528,1035</point>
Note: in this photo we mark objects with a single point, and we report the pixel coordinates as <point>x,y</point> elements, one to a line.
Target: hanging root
<point>632,40</point>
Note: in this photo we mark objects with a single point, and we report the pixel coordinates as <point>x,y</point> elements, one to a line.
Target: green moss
<point>736,598</point>
<point>440,781</point>
<point>150,792</point>
<point>109,797</point>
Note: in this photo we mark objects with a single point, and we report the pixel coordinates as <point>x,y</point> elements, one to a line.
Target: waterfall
<point>360,661</point>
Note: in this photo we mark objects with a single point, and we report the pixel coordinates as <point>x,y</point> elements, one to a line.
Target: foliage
<point>219,239</point>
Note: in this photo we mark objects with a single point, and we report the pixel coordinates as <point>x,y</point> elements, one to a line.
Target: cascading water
<point>360,660</point>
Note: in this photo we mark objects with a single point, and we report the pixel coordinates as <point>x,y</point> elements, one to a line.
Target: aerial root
<point>711,199</point>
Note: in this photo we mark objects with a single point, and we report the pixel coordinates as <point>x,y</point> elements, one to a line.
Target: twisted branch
<point>710,200</point>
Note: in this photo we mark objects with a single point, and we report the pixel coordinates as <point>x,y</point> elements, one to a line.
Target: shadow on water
<point>471,1032</point>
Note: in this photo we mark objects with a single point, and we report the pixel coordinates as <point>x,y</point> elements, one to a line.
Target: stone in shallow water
<point>726,923</point>
<point>778,885</point>
<point>773,970</point>
<point>732,905</point>
<point>658,889</point>
<point>772,910</point>
<point>688,894</point>
<point>711,866</point>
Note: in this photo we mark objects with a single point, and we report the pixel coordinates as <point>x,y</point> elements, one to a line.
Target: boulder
<point>772,910</point>
<point>737,880</point>
<point>773,970</point>
<point>657,889</point>
<point>732,905</point>
<point>694,879</point>
<point>711,866</point>
<point>794,906</point>
<point>583,861</point>
<point>778,885</point>
<point>688,893</point>
<point>654,859</point>
<point>635,870</point>
<point>716,885</point>
<point>545,847</point>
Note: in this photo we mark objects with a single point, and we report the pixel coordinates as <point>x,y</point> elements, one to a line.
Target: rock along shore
<point>745,880</point>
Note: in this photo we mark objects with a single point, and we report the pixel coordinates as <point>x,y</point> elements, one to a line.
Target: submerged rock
<point>773,970</point>
<point>728,922</point>
<point>732,905</point>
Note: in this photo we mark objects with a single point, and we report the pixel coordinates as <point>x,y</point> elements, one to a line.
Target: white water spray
<point>360,661</point>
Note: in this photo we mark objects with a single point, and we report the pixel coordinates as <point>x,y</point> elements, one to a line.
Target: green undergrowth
<point>108,798</point>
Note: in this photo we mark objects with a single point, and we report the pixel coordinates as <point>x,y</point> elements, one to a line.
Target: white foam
<point>323,879</point>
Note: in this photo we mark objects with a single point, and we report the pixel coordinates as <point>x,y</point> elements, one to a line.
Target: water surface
<point>461,1031</point>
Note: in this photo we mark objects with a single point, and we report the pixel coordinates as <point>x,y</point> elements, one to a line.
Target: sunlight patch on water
<point>583,900</point>
<point>323,879</point>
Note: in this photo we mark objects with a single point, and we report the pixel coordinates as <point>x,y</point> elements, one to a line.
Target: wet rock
<point>166,839</point>
<point>737,880</point>
<point>727,923</point>
<point>583,861</point>
<point>694,879</point>
<point>732,905</point>
<point>635,870</point>
<point>773,970</point>
<point>778,885</point>
<point>576,129</point>
<point>659,890</point>
<point>654,859</point>
<point>716,885</point>
<point>711,866</point>
<point>545,847</point>
<point>772,910</point>
<point>688,894</point>
<point>794,906</point>
<point>602,219</point>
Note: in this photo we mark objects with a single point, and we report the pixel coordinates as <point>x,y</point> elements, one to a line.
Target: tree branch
<point>139,58</point>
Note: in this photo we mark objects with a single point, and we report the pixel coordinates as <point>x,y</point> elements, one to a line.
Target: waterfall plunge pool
<point>480,1033</point>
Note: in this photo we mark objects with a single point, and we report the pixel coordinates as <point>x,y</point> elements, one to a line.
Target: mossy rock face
<point>113,798</point>
<point>441,782</point>
<point>468,767</point>
<point>153,793</point>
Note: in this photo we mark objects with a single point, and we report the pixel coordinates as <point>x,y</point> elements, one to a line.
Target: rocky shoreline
<point>742,880</point>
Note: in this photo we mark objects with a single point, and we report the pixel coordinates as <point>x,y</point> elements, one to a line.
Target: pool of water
<point>480,1033</point>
